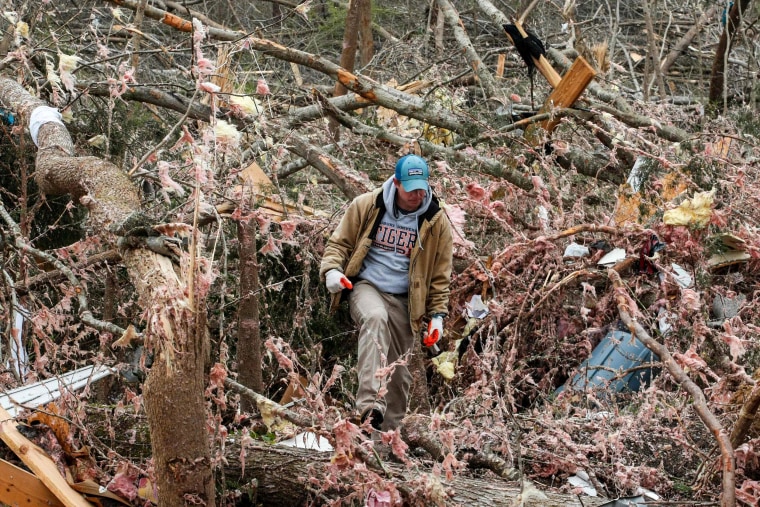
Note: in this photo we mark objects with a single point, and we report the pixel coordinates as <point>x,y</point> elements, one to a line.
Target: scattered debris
<point>19,487</point>
<point>724,307</point>
<point>682,276</point>
<point>39,462</point>
<point>612,257</point>
<point>644,497</point>
<point>582,481</point>
<point>636,176</point>
<point>576,250</point>
<point>308,440</point>
<point>476,308</point>
<point>722,260</point>
<point>733,251</point>
<point>665,321</point>
<point>695,212</point>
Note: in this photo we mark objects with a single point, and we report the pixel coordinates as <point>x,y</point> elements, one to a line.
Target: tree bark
<point>249,352</point>
<point>347,56</point>
<point>746,417</point>
<point>174,391</point>
<point>717,76</point>
<point>652,62</point>
<point>282,474</point>
<point>366,41</point>
<point>419,395</point>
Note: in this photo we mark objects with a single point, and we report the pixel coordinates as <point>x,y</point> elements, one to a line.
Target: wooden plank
<point>19,487</point>
<point>39,462</point>
<point>564,95</point>
<point>500,65</point>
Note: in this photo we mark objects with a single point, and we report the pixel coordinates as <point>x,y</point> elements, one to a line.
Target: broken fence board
<point>572,85</point>
<point>19,487</point>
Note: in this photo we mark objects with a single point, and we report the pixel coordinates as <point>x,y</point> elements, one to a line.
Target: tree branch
<point>409,105</point>
<point>473,59</point>
<point>81,294</point>
<point>627,312</point>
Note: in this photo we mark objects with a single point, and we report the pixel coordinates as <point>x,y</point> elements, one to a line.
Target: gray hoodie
<point>387,262</point>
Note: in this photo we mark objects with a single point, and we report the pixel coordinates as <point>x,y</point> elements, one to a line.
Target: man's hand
<point>435,331</point>
<point>337,281</point>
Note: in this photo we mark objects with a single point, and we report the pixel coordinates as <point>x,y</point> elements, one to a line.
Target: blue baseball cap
<point>412,171</point>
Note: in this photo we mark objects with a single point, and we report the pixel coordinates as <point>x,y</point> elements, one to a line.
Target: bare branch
<point>628,312</point>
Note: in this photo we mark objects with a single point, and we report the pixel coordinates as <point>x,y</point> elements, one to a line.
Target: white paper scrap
<point>308,440</point>
<point>612,257</point>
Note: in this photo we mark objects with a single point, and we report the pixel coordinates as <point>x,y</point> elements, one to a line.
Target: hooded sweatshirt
<point>386,265</point>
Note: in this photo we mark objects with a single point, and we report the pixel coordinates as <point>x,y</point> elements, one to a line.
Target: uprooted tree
<point>166,216</point>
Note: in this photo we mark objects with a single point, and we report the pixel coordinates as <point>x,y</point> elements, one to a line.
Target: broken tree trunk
<point>175,324</point>
<point>174,391</point>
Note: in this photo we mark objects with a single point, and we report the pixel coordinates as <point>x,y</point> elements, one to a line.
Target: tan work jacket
<point>429,266</point>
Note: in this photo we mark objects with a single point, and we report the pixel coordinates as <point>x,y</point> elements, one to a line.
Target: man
<point>391,256</point>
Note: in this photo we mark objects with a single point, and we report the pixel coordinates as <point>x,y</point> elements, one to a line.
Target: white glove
<point>435,331</point>
<point>336,281</point>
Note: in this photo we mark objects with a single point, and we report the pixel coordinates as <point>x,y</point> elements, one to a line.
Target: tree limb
<point>485,77</point>
<point>746,417</point>
<point>679,47</point>
<point>427,111</point>
<point>627,312</point>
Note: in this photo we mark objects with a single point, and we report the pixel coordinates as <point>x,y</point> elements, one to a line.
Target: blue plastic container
<point>617,353</point>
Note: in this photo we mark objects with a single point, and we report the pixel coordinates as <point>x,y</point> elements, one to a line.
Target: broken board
<point>19,487</point>
<point>39,462</point>
<point>565,94</point>
<point>255,183</point>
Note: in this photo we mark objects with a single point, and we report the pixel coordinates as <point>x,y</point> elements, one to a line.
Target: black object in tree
<point>528,48</point>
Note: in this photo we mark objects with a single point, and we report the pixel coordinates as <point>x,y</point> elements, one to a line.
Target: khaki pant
<point>385,335</point>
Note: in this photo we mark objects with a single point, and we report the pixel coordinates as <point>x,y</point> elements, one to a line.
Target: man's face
<point>408,201</point>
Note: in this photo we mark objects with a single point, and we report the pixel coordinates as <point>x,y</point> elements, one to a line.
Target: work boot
<point>375,418</point>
